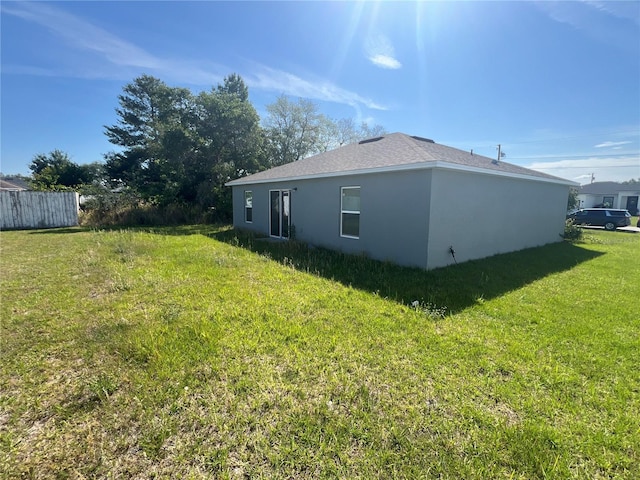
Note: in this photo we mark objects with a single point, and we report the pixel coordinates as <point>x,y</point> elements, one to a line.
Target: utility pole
<point>499,146</point>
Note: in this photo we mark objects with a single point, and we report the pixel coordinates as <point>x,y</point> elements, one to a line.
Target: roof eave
<point>406,167</point>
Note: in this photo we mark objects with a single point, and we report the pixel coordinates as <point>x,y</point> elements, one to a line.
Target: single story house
<point>611,195</point>
<point>406,200</point>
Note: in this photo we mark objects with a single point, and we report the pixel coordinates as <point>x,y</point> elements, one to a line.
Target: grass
<point>202,352</point>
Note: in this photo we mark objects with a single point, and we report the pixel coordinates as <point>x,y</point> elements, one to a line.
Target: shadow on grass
<point>455,287</point>
<point>59,230</point>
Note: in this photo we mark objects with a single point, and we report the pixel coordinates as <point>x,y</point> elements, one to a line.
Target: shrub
<point>125,209</point>
<point>572,232</point>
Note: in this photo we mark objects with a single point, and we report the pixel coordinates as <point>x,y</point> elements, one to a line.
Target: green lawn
<point>200,352</point>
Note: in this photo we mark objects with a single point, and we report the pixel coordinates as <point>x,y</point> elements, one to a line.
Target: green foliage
<point>572,201</point>
<point>230,139</point>
<point>181,148</point>
<point>56,171</point>
<point>572,232</point>
<point>126,210</point>
<point>153,130</point>
<point>102,206</point>
<point>293,129</point>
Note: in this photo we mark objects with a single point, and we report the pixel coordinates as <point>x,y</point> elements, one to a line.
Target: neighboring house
<point>406,200</point>
<point>610,194</point>
<point>12,186</point>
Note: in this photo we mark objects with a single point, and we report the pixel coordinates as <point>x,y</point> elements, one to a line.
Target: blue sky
<point>557,84</point>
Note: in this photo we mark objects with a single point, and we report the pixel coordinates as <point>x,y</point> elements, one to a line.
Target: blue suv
<point>609,218</point>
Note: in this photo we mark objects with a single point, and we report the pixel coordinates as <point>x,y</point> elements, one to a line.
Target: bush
<point>126,209</point>
<point>572,232</point>
<point>102,207</point>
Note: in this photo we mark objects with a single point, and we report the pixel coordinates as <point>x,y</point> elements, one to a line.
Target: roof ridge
<point>412,142</point>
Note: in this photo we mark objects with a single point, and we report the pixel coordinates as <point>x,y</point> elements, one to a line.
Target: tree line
<point>180,148</point>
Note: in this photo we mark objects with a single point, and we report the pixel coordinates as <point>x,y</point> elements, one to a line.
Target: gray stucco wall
<point>412,218</point>
<point>483,215</point>
<point>394,214</point>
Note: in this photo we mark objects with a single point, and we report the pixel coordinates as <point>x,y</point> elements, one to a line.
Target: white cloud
<point>271,79</point>
<point>615,23</point>
<point>381,53</point>
<point>385,61</point>
<point>623,10</point>
<point>102,54</point>
<point>113,57</point>
<point>611,144</point>
<point>617,168</point>
<point>580,177</point>
<point>29,70</point>
<point>83,35</point>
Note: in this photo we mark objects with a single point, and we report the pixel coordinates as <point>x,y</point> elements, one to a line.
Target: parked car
<point>609,218</point>
<point>572,212</point>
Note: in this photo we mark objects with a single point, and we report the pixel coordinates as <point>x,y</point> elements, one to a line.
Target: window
<point>350,212</point>
<point>618,213</point>
<point>607,202</point>
<point>248,206</point>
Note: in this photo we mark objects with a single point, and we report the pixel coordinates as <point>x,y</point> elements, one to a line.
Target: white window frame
<point>250,192</point>
<point>353,212</point>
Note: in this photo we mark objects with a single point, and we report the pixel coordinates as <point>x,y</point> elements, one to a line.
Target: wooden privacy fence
<point>22,210</point>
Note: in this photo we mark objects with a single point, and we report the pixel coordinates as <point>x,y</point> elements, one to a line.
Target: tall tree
<point>154,131</point>
<point>572,200</point>
<point>296,129</point>
<point>234,85</point>
<point>328,135</point>
<point>293,129</point>
<point>183,148</point>
<point>347,132</point>
<point>370,131</point>
<point>230,139</point>
<point>56,171</point>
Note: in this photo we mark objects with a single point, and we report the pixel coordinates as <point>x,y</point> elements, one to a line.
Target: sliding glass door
<point>280,213</point>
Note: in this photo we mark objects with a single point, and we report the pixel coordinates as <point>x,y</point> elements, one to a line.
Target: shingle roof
<point>394,151</point>
<point>604,188</point>
<point>12,186</point>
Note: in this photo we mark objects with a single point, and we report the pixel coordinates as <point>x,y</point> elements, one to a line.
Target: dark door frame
<point>279,213</point>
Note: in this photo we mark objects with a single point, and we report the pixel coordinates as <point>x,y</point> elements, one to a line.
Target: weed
<point>429,310</point>
<point>102,387</point>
